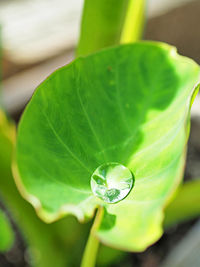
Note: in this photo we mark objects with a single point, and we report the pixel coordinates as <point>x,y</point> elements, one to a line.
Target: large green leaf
<point>128,104</point>
<point>6,233</point>
<point>51,244</point>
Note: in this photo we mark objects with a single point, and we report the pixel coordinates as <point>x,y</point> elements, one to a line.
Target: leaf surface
<point>128,104</point>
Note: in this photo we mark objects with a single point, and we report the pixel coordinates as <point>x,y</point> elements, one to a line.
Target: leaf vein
<point>64,144</point>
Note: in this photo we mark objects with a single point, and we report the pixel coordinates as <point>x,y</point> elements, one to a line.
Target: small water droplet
<point>112,182</point>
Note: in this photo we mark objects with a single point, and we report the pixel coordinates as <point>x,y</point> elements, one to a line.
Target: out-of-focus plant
<point>107,23</point>
<point>6,233</point>
<point>185,205</point>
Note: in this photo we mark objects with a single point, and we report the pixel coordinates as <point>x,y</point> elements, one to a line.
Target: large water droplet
<point>112,182</point>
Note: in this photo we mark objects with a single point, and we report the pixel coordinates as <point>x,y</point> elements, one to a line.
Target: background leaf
<point>185,205</point>
<point>128,104</point>
<point>6,233</point>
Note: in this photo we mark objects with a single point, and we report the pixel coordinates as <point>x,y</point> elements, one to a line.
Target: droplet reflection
<point>112,182</point>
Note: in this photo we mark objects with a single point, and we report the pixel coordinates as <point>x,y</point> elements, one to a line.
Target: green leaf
<point>128,104</point>
<point>185,205</point>
<point>6,233</point>
<point>51,243</point>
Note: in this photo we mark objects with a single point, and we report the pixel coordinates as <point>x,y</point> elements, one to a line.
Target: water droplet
<point>112,182</point>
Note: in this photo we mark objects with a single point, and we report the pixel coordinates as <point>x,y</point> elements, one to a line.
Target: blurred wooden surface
<point>34,30</point>
<point>178,27</point>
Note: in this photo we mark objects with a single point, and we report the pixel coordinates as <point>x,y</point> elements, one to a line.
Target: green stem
<point>101,24</point>
<point>110,22</point>
<point>134,22</point>
<point>91,249</point>
<point>185,205</point>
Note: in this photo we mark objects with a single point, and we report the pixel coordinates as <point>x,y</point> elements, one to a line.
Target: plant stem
<point>91,249</point>
<point>101,25</point>
<point>134,21</point>
<point>109,22</point>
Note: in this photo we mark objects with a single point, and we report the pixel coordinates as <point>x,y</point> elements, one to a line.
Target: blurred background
<point>39,36</point>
